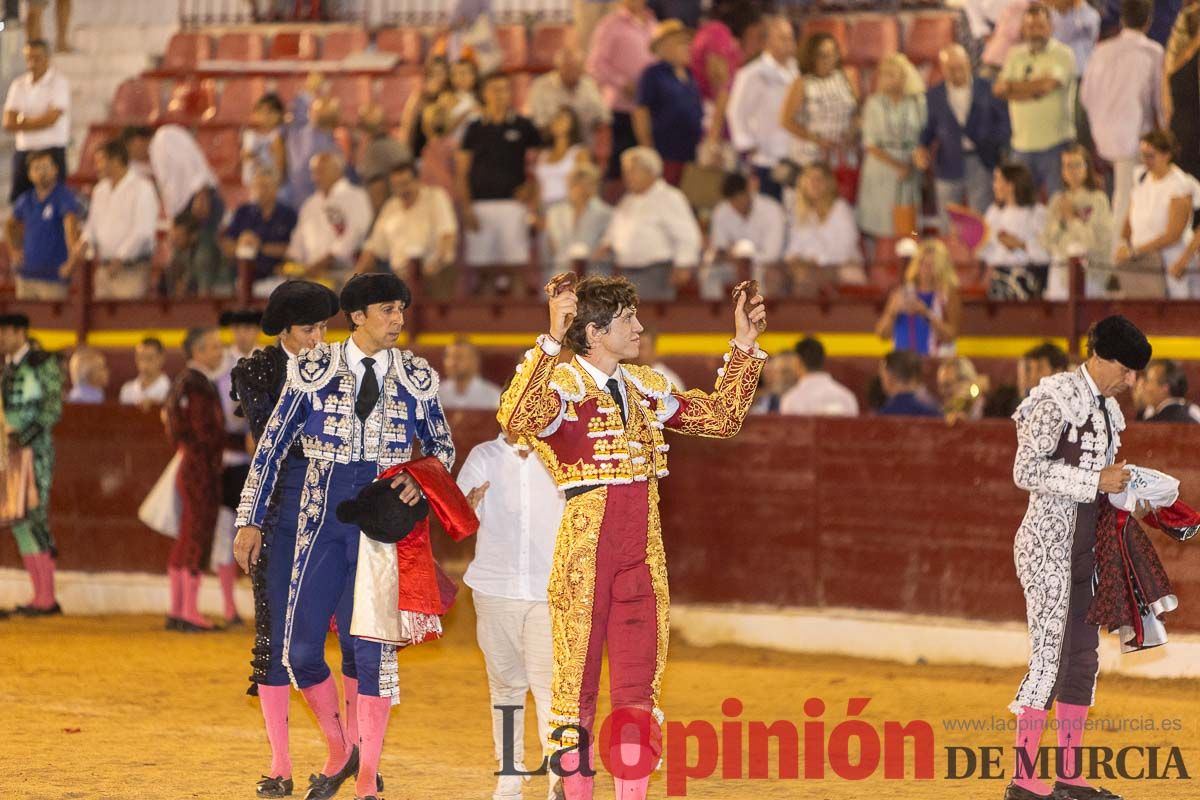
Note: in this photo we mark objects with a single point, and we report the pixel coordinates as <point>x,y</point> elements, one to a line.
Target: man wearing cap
<point>1068,434</point>
<point>296,312</point>
<point>669,116</point>
<point>356,409</point>
<point>33,390</point>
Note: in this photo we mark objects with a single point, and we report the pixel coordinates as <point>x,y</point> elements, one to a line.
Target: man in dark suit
<point>1161,394</point>
<point>900,374</point>
<point>966,135</point>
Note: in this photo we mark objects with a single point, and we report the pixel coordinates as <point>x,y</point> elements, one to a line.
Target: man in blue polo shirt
<point>669,116</point>
<point>263,227</point>
<point>42,230</point>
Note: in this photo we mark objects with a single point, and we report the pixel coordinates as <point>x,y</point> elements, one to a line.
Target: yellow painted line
<point>53,339</point>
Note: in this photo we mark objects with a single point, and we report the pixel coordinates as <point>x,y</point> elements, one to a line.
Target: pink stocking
<point>323,700</point>
<point>350,713</point>
<point>191,599</point>
<point>577,786</point>
<point>372,720</point>
<point>1031,722</point>
<point>35,577</point>
<point>274,703</point>
<point>48,565</point>
<point>632,788</point>
<point>1071,720</point>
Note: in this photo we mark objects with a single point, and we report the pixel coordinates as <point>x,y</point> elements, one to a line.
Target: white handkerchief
<point>1146,485</point>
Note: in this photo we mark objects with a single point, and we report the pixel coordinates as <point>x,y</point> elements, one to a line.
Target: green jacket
<point>33,394</point>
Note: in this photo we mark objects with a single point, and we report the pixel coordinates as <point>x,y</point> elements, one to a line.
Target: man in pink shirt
<point>620,50</point>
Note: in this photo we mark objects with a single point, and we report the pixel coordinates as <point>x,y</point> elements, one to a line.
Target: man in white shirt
<point>121,227</point>
<point>333,222</point>
<point>519,507</point>
<point>756,100</point>
<point>417,223</point>
<point>817,394</point>
<point>151,385</point>
<point>462,387</point>
<point>568,85</point>
<point>743,216</point>
<point>1122,94</point>
<point>38,111</point>
<point>653,235</point>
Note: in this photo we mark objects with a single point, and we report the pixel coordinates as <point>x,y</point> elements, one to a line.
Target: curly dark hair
<point>600,299</point>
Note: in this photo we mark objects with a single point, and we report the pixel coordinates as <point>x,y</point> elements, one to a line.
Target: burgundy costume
<point>196,425</point>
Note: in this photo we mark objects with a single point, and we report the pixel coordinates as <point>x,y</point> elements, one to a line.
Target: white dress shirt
<point>1024,222</point>
<point>133,393</point>
<point>333,224</point>
<point>827,242</point>
<point>35,98</point>
<point>479,395</point>
<point>654,226</point>
<point>1122,93</point>
<point>819,395</point>
<point>755,105</point>
<point>354,360</point>
<point>123,220</point>
<point>518,521</point>
<point>765,226</point>
<point>401,232</point>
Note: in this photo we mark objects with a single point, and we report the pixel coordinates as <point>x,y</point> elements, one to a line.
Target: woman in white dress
<point>1013,253</point>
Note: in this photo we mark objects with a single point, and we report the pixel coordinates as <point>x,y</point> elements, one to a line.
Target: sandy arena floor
<point>114,707</point>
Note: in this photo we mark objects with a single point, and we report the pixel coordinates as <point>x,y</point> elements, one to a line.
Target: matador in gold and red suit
<point>601,437</point>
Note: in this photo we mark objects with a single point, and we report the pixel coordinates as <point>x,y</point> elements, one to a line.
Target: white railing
<point>424,13</point>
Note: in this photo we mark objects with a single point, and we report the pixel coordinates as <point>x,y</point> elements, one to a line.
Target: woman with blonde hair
<point>893,118</point>
<point>823,243</point>
<point>923,315</point>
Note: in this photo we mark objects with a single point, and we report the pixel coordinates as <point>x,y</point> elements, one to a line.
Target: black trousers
<point>20,171</point>
<point>622,139</point>
<point>1080,657</point>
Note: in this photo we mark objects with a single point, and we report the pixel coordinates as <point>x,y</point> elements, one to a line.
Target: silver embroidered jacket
<point>317,408</point>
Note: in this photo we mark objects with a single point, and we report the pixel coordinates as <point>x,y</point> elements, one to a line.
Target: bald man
<point>333,222</point>
<point>568,85</point>
<point>968,129</point>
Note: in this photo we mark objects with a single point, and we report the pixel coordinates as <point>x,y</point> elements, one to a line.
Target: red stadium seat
<point>345,42</point>
<point>293,46</point>
<point>222,147</point>
<point>186,50</point>
<point>287,87</point>
<point>872,38</point>
<point>546,41</point>
<point>394,91</point>
<point>86,173</point>
<point>138,101</point>
<point>240,46</point>
<point>238,97</point>
<point>352,94</point>
<point>514,45</point>
<point>404,42</point>
<point>927,35</point>
<point>192,102</point>
<point>834,26</point>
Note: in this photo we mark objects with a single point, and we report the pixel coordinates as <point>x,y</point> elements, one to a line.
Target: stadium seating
<point>406,43</point>
<point>544,42</point>
<point>871,38</point>
<point>240,46</point>
<point>237,97</point>
<point>186,50</point>
<point>294,45</point>
<point>345,42</point>
<point>138,101</point>
<point>927,34</point>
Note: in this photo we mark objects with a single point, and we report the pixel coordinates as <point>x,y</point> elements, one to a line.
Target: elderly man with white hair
<point>333,222</point>
<point>653,236</point>
<point>568,86</point>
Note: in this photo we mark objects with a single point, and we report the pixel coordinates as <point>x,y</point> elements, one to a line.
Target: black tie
<point>368,393</point>
<point>615,391</point>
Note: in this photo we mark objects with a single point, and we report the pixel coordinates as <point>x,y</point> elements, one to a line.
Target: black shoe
<point>323,787</point>
<point>191,627</point>
<point>173,624</point>
<point>1067,791</point>
<point>232,622</point>
<point>4,614</point>
<point>1014,792</point>
<point>274,787</point>
<point>25,611</point>
<point>33,611</point>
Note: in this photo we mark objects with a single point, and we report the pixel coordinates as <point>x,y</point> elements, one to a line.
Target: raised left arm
<point>719,414</point>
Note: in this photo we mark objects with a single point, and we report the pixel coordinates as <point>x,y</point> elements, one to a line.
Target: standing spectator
<point>416,224</point>
<point>893,118</point>
<point>1005,35</point>
<point>464,87</point>
<point>924,315</point>
<point>817,394</point>
<point>653,235</point>
<point>779,376</point>
<point>900,374</point>
<point>1077,25</point>
<point>1037,81</point>
<point>670,113</point>
<point>568,86</point>
<point>968,130</point>
<point>151,385</point>
<point>1155,253</point>
<point>260,231</point>
<point>1013,252</point>
<point>89,376</point>
<point>1079,222</point>
<point>744,215</point>
<point>435,81</point>
<point>137,144</point>
<point>715,58</point>
<point>494,190</point>
<point>648,356</point>
<point>1039,362</point>
<point>756,105</point>
<point>575,229</point>
<point>620,50</point>
<point>332,223</point>
<point>1122,94</point>
<point>564,151</point>
<point>1181,92</point>
<point>462,387</point>
<point>821,105</point>
<point>192,201</point>
<point>1161,394</point>
<point>121,227</point>
<point>309,133</point>
<point>36,9</point>
<point>823,243</point>
<point>37,110</point>
<point>43,230</point>
<point>262,141</point>
<point>378,153</point>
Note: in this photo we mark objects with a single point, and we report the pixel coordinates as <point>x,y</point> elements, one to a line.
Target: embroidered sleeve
<point>257,380</point>
<point>719,414</point>
<point>533,402</point>
<point>49,410</point>
<point>1038,432</point>
<point>282,428</point>
<point>421,381</point>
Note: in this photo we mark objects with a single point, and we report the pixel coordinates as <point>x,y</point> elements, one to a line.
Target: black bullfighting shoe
<point>32,611</point>
<point>173,623</point>
<point>323,787</point>
<point>1066,791</point>
<point>368,797</point>
<point>274,787</point>
<point>1014,792</point>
